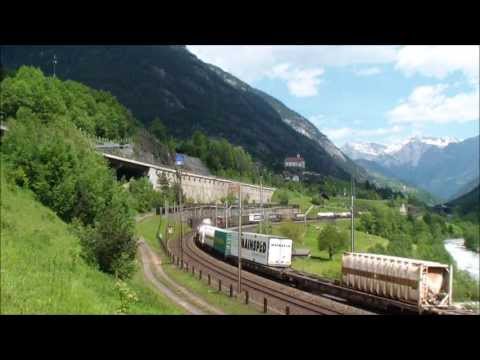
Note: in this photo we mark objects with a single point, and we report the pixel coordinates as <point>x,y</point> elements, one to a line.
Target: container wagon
<point>255,218</point>
<point>326,215</point>
<point>274,217</point>
<point>422,283</point>
<point>261,249</point>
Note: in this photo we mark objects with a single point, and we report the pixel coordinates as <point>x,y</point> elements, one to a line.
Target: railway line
<point>290,291</point>
<point>274,296</point>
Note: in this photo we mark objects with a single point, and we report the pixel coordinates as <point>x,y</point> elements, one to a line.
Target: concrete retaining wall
<point>206,189</point>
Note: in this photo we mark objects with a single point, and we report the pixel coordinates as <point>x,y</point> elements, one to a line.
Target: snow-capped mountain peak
<point>363,150</point>
<point>438,142</point>
<point>407,151</point>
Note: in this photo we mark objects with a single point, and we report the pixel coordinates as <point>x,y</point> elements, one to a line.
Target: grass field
<point>43,273</point>
<point>319,263</point>
<point>336,204</point>
<point>148,228</point>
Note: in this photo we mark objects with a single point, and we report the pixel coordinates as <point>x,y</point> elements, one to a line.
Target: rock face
<point>442,166</point>
<point>187,94</point>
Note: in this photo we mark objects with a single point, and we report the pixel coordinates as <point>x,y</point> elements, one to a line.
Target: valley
<point>98,155</point>
<point>441,166</point>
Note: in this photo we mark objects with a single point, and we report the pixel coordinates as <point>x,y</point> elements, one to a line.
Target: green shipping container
<point>222,242</point>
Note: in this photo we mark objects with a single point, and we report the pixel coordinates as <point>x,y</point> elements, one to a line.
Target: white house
<point>297,162</point>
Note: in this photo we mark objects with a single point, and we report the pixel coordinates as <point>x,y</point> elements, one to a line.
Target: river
<point>466,260</point>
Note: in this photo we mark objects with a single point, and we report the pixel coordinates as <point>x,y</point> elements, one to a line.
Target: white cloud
<point>439,61</point>
<point>300,82</point>
<point>431,104</point>
<point>368,71</point>
<point>248,63</point>
<point>306,64</point>
<point>251,63</point>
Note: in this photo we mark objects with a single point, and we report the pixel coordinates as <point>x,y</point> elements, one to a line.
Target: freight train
<point>267,250</point>
<point>415,282</point>
<point>250,219</point>
<point>334,215</point>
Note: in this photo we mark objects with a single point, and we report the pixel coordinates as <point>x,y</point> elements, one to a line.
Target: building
<point>403,210</point>
<point>297,162</point>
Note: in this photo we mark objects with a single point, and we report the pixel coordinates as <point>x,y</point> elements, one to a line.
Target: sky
<point>382,94</point>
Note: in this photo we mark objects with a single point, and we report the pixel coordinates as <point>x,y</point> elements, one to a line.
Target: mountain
<point>408,152</point>
<point>382,177</point>
<point>364,150</point>
<point>298,123</point>
<point>467,203</point>
<point>466,188</point>
<point>187,94</point>
<point>441,166</point>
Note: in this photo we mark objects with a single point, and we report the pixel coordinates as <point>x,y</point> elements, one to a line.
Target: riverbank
<point>465,259</point>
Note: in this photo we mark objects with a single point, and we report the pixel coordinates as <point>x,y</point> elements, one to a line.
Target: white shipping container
<point>255,217</point>
<point>326,214</point>
<point>415,281</point>
<point>263,249</point>
<point>207,232</point>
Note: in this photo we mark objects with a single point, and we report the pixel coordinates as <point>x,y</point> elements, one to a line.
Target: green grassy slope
<point>43,273</point>
<point>319,263</point>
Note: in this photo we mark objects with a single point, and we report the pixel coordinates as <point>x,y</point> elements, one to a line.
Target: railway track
<point>315,296</point>
<point>280,298</point>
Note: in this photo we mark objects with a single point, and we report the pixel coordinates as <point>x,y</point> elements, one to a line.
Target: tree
<point>400,245</point>
<point>95,112</point>
<point>292,231</point>
<point>111,243</point>
<point>472,237</point>
<point>52,157</point>
<point>158,129</point>
<point>317,200</point>
<point>332,240</point>
<point>144,195</point>
<point>281,196</point>
<point>229,199</point>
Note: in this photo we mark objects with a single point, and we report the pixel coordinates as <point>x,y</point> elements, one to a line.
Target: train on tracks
<point>392,284</point>
<point>268,250</point>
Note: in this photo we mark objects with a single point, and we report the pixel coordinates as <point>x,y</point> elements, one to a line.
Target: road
<point>152,267</point>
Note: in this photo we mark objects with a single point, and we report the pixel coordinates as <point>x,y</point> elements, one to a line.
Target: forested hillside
<point>186,94</point>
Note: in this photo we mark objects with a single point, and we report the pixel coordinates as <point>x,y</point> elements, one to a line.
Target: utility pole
<point>352,214</point>
<point>166,222</point>
<point>261,206</point>
<point>239,239</point>
<point>54,63</point>
<point>226,215</point>
<point>179,162</point>
<point>215,213</point>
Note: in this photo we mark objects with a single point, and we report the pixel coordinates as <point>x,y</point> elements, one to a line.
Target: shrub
<point>95,112</point>
<point>67,175</point>
<point>144,196</point>
<point>57,163</point>
<point>281,196</point>
<point>291,231</point>
<point>317,200</point>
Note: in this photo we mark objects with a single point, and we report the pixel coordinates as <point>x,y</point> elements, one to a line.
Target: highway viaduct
<point>199,188</point>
